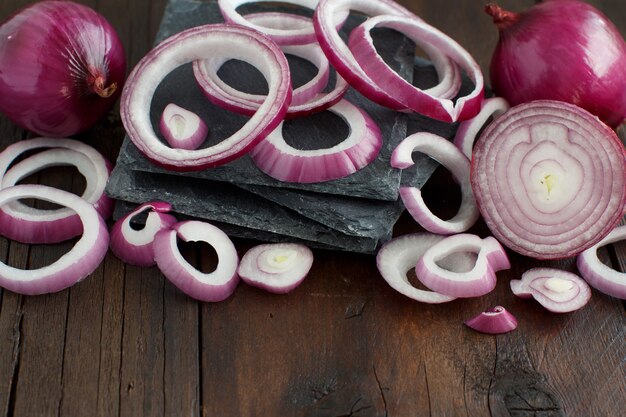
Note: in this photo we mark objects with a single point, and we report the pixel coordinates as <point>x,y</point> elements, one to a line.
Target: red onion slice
<point>276,267</point>
<point>133,246</point>
<point>285,163</point>
<point>215,286</point>
<point>196,44</point>
<point>479,281</point>
<point>451,157</point>
<point>468,130</point>
<point>396,257</point>
<point>80,261</point>
<point>549,179</point>
<point>597,274</point>
<point>182,128</point>
<point>31,225</point>
<point>495,321</point>
<point>557,290</point>
<point>425,103</point>
<point>342,59</point>
<point>306,99</point>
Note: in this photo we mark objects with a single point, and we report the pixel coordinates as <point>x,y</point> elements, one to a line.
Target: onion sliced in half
<point>276,267</point>
<point>215,286</point>
<point>80,261</point>
<point>342,59</point>
<point>182,128</point>
<point>415,99</point>
<point>228,41</point>
<point>557,290</point>
<point>599,275</point>
<point>549,179</point>
<point>495,321</point>
<point>468,130</point>
<point>306,99</point>
<point>285,163</point>
<point>451,157</point>
<point>479,281</point>
<point>31,225</point>
<point>396,257</point>
<point>133,246</point>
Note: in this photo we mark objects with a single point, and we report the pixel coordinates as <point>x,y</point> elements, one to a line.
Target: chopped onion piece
<point>31,225</point>
<point>468,130</point>
<point>276,267</point>
<point>80,261</point>
<point>215,286</point>
<point>396,257</point>
<point>133,246</point>
<point>549,179</point>
<point>557,290</point>
<point>285,163</point>
<point>597,274</point>
<point>479,281</point>
<point>451,157</point>
<point>495,321</point>
<point>228,41</point>
<point>182,128</point>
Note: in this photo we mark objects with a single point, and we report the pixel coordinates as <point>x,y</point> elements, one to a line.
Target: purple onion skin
<point>62,67</point>
<point>562,50</point>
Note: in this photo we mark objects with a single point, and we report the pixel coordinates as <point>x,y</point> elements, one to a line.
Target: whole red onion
<point>62,67</point>
<point>561,50</point>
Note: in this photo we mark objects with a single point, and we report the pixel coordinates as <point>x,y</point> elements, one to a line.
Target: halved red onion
<point>452,158</point>
<point>597,274</point>
<point>80,261</point>
<point>233,42</point>
<point>285,163</point>
<point>362,47</point>
<point>134,246</point>
<point>396,257</point>
<point>557,290</point>
<point>31,225</point>
<point>479,281</point>
<point>468,130</point>
<point>276,267</point>
<point>549,179</point>
<point>181,128</point>
<point>306,99</point>
<point>495,321</point>
<point>342,59</point>
<point>214,286</point>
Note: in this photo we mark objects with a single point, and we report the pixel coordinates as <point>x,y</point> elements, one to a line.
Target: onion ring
<point>468,130</point>
<point>495,321</point>
<point>182,128</point>
<point>557,290</point>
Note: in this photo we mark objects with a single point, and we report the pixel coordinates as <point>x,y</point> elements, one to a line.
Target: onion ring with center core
<point>196,44</point>
<point>215,286</point>
<point>549,179</point>
<point>285,163</point>
<point>80,261</point>
<point>468,130</point>
<point>557,290</point>
<point>451,157</point>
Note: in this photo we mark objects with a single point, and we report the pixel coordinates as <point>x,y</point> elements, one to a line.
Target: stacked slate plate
<point>356,213</point>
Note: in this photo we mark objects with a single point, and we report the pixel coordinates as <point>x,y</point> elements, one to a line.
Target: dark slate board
<point>376,181</point>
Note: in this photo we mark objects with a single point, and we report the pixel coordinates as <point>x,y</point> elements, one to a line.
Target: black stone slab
<point>376,181</point>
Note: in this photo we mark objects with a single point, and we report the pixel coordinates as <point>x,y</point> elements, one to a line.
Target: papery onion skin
<point>494,321</point>
<point>561,50</point>
<point>62,67</point>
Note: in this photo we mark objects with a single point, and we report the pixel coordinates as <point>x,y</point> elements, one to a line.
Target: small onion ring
<point>281,161</point>
<point>451,157</point>
<point>195,44</point>
<point>479,281</point>
<point>549,179</point>
<point>194,130</point>
<point>134,247</point>
<point>362,46</point>
<point>536,283</point>
<point>75,265</point>
<point>215,286</point>
<point>468,130</point>
<point>597,274</point>
<point>31,225</point>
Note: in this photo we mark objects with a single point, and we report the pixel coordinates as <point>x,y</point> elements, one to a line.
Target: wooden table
<point>126,342</point>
